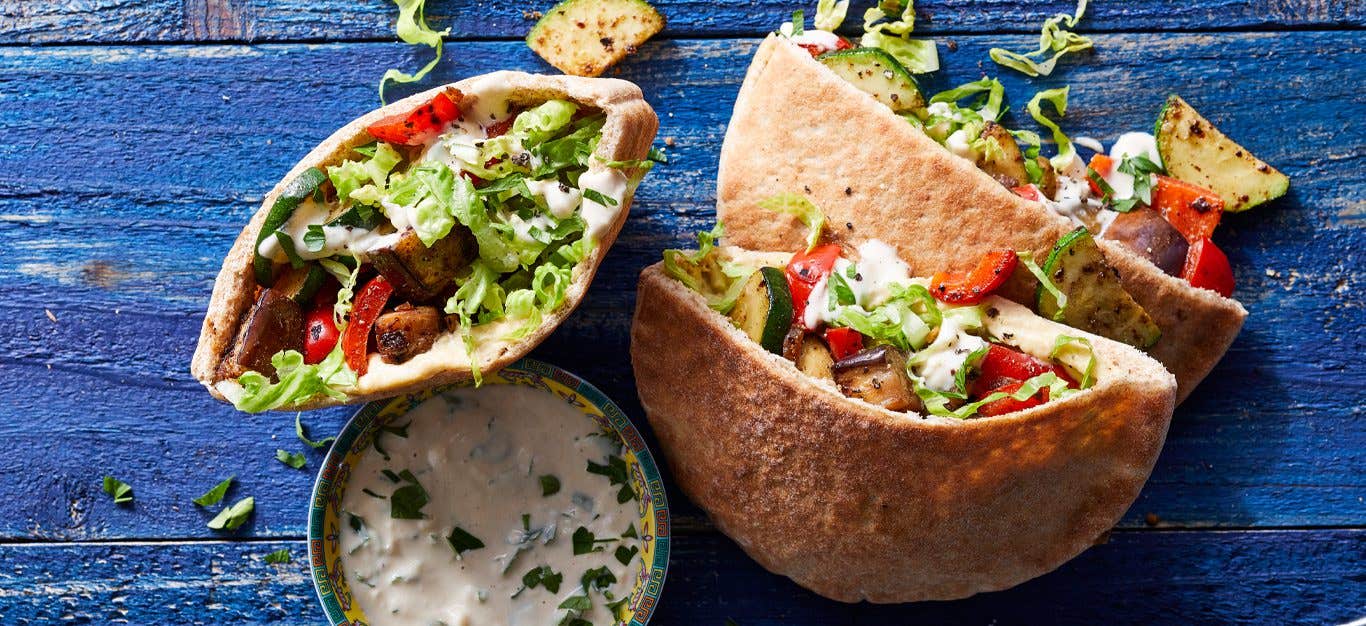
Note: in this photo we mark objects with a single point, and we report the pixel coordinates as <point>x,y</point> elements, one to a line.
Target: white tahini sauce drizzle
<point>940,361</point>
<point>1130,144</point>
<point>338,239</point>
<point>877,270</point>
<point>480,454</point>
<point>611,183</point>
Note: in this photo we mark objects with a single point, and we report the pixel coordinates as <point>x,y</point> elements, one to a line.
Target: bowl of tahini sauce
<point>528,500</point>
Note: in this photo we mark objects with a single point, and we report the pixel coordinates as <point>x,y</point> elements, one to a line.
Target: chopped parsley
<point>577,603</point>
<point>584,540</point>
<point>366,491</point>
<point>315,239</point>
<point>1141,168</point>
<point>215,495</point>
<point>462,542</point>
<point>598,197</point>
<point>543,576</point>
<point>303,435</point>
<point>233,517</point>
<point>279,556</point>
<point>121,491</point>
<point>295,460</point>
<point>407,501</point>
<point>625,555</point>
<point>630,532</point>
<point>616,472</point>
<point>598,578</point>
<point>550,485</point>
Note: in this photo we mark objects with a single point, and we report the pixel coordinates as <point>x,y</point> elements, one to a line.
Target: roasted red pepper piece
<point>805,270</point>
<point>1028,192</point>
<point>500,128</point>
<point>815,50</point>
<point>419,126</point>
<point>1207,267</point>
<point>320,334</point>
<point>1002,365</point>
<point>1191,209</point>
<point>1011,405</point>
<point>843,342</point>
<point>1102,165</point>
<point>970,288</point>
<point>368,305</point>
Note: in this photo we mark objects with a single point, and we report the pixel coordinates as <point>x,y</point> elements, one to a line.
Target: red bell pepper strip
<point>356,339</point>
<point>320,334</point>
<point>419,126</point>
<point>1028,192</point>
<point>1002,365</point>
<point>1191,209</point>
<point>815,50</point>
<point>805,270</point>
<point>499,128</point>
<point>1207,268</point>
<point>843,342</point>
<point>1102,165</point>
<point>991,272</point>
<point>1011,405</point>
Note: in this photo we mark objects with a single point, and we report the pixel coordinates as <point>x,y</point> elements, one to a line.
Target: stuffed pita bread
<point>940,210</point>
<point>444,234</point>
<point>824,469</point>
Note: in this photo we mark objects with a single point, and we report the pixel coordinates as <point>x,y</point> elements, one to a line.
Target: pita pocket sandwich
<point>945,183</point>
<point>444,235</point>
<point>875,436</point>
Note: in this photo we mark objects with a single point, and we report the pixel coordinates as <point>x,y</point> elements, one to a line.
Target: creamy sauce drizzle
<point>479,454</point>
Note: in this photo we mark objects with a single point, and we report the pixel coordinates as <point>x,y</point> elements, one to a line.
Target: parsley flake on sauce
<point>279,556</point>
<point>598,578</point>
<point>462,542</point>
<point>234,516</point>
<point>550,485</point>
<point>584,540</point>
<point>618,474</point>
<point>625,555</point>
<point>215,495</point>
<point>407,501</point>
<point>121,491</point>
<point>543,576</point>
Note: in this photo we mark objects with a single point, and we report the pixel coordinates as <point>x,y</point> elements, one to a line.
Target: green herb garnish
<point>121,491</point>
<point>577,603</point>
<point>625,555</point>
<point>550,485</point>
<point>630,532</point>
<point>599,197</point>
<point>597,578</point>
<point>234,516</point>
<point>295,460</point>
<point>584,540</point>
<point>407,501</point>
<point>616,472</point>
<point>543,576</point>
<point>315,239</point>
<point>462,541</point>
<point>279,556</point>
<point>215,495</point>
<point>303,435</point>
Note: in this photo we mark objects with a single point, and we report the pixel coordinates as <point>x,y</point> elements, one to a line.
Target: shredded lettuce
<point>1054,38</point>
<point>803,209</point>
<point>542,121</point>
<point>1027,259</point>
<point>904,320</point>
<point>1067,343</point>
<point>1057,98</point>
<point>830,13</point>
<point>918,56</point>
<point>937,402</point>
<point>298,382</point>
<point>363,181</point>
<point>479,290</point>
<point>702,271</point>
<point>468,207</point>
<point>412,28</point>
<point>347,277</point>
<point>988,107</point>
<point>427,192</point>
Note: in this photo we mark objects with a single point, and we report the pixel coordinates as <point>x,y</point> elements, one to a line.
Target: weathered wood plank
<point>129,21</point>
<point>116,221</point>
<point>1148,577</point>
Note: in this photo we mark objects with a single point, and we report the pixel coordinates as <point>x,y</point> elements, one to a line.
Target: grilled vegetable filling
<point>878,335</point>
<point>462,222</point>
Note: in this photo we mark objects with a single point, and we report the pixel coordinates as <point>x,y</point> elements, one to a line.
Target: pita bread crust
<point>626,135</point>
<point>939,210</point>
<point>859,503</point>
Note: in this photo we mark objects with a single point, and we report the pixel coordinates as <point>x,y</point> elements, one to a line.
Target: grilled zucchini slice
<point>877,73</point>
<point>1193,150</point>
<point>764,308</point>
<point>585,37</point>
<point>1096,301</point>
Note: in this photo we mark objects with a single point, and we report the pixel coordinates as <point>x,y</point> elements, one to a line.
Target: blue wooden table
<point>138,136</point>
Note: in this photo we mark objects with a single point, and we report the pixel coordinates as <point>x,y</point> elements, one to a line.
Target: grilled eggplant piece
<point>814,359</point>
<point>878,376</point>
<point>275,324</point>
<point>406,331</point>
<point>1145,231</point>
<point>419,273</point>
<point>1048,183</point>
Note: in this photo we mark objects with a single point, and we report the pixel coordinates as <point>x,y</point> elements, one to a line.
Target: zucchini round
<point>877,73</point>
<point>764,308</point>
<point>1096,301</point>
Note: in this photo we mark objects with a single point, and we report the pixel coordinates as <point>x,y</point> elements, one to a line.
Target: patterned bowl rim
<point>525,368</point>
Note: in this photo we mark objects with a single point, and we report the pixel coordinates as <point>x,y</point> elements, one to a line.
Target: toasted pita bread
<point>799,128</point>
<point>626,135</point>
<point>859,503</point>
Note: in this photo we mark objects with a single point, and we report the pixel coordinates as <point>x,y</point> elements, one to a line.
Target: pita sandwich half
<point>800,128</point>
<point>822,482</point>
<point>441,236</point>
